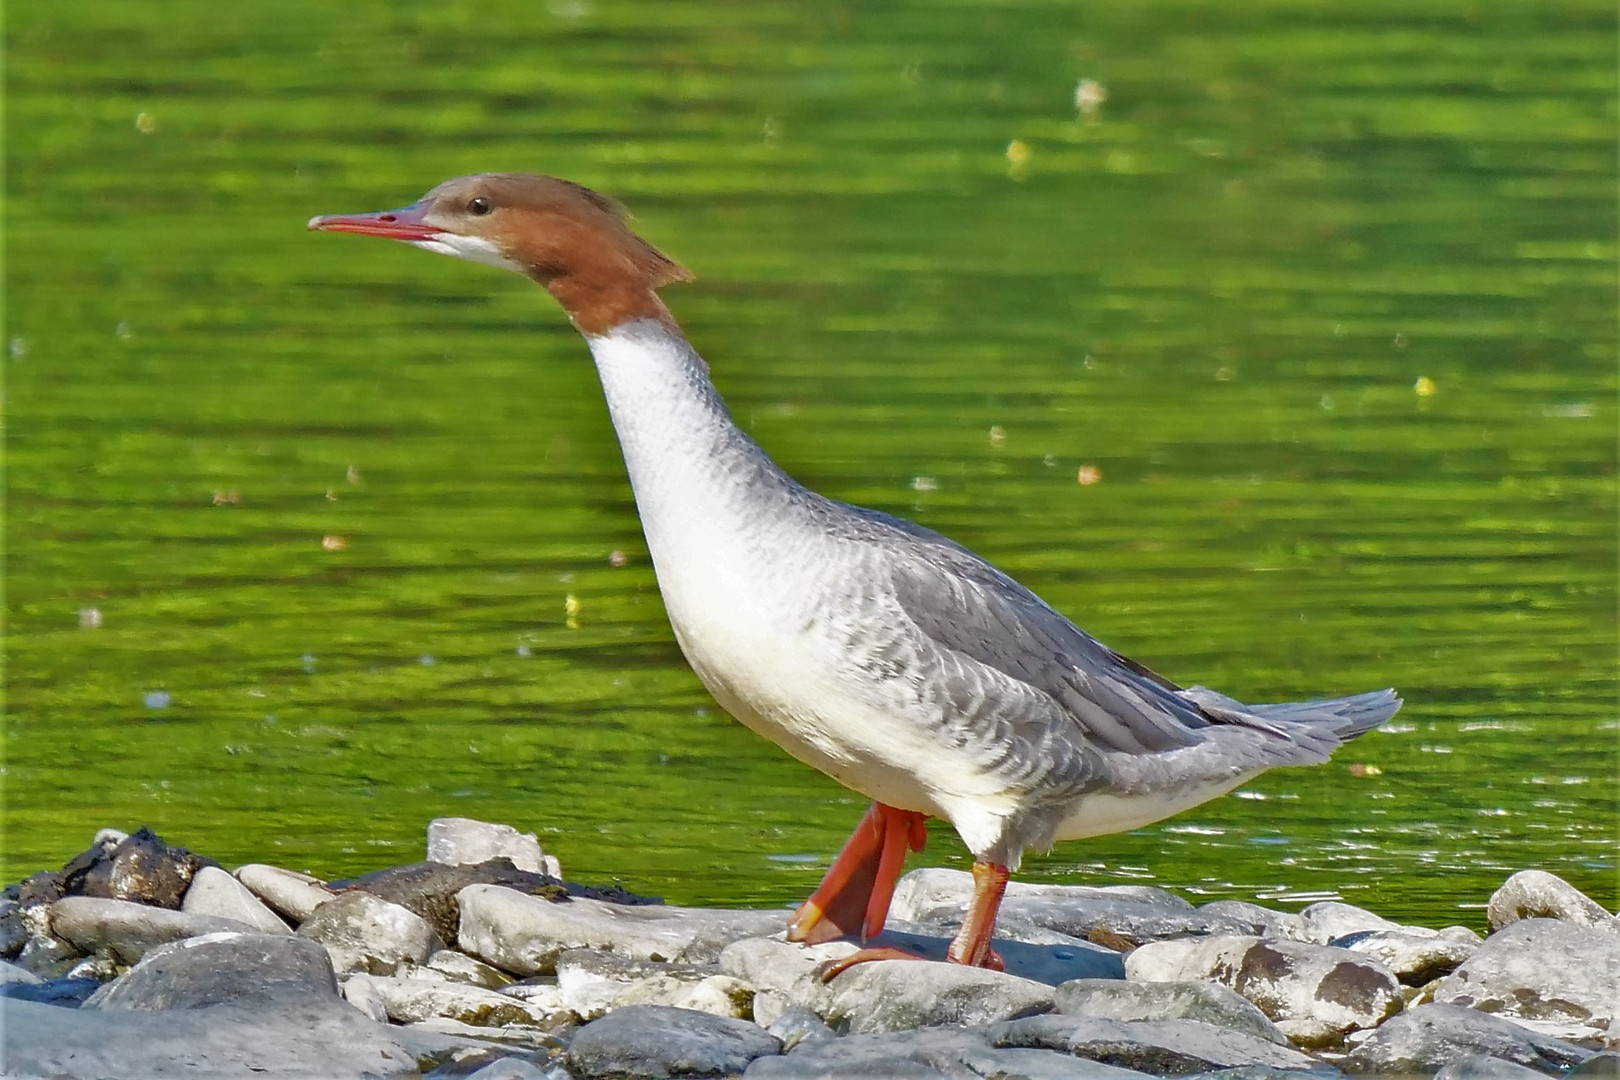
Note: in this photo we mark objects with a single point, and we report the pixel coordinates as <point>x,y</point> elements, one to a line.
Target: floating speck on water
<point>1050,461</point>
<point>157,699</point>
<point>998,434</point>
<point>1089,96</point>
<point>1578,410</point>
<point>334,543</point>
<point>89,618</point>
<point>522,650</point>
<point>1424,387</point>
<point>571,608</point>
<point>1327,404</point>
<point>924,483</point>
<point>145,123</point>
<point>352,475</point>
<point>426,660</point>
<point>1018,155</point>
<point>1256,796</point>
<point>308,660</point>
<point>1400,341</point>
<point>569,9</point>
<point>123,331</point>
<point>227,498</point>
<point>618,558</point>
<point>18,348</point>
<point>1089,475</point>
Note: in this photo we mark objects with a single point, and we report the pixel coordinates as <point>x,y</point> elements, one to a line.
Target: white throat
<point>472,248</point>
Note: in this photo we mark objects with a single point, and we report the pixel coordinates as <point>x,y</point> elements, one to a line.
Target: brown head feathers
<point>574,241</point>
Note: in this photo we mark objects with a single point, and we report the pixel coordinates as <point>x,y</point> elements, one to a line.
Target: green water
<point>1323,293</point>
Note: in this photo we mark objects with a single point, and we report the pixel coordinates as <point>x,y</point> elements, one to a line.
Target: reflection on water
<point>1283,361</point>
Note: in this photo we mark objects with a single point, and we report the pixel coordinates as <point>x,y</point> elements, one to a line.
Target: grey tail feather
<point>1346,717</point>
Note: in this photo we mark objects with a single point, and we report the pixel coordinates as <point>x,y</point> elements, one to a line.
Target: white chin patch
<point>472,248</point>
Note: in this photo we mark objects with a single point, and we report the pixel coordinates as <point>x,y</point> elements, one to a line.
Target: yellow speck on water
<point>334,543</point>
<point>145,123</point>
<point>1018,154</point>
<point>1424,387</point>
<point>1088,475</point>
<point>571,607</point>
<point>998,434</point>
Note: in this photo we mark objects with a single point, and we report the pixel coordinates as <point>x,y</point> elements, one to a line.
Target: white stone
<point>364,933</point>
<point>458,841</point>
<point>1532,894</point>
<point>293,894</point>
<point>1331,919</point>
<point>717,995</point>
<point>410,1001</point>
<point>214,892</point>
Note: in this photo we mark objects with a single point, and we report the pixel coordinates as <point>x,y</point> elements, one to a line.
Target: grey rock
<point>530,1038</point>
<point>926,889</point>
<point>457,841</point>
<point>1209,1002</point>
<point>1423,1039</point>
<point>302,1038</point>
<point>1536,894</point>
<point>1035,953</point>
<point>884,995</point>
<point>408,1001</point>
<point>1484,1067</point>
<point>656,1041</point>
<point>1604,1064</point>
<point>126,930</point>
<point>362,992</point>
<point>525,934</point>
<point>1153,1046</point>
<point>510,1068</point>
<point>366,934</point>
<point>461,968</point>
<point>590,980</point>
<point>1330,919</point>
<point>11,973</point>
<point>1267,1072</point>
<point>1315,993</point>
<point>1414,958</point>
<point>430,889</point>
<point>293,894</point>
<point>1543,970</point>
<point>1261,921</point>
<point>13,932</point>
<point>797,1024</point>
<point>719,995</point>
<point>218,969</point>
<point>932,1053</point>
<point>214,892</point>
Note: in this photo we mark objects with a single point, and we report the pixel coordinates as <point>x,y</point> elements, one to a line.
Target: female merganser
<point>892,659</point>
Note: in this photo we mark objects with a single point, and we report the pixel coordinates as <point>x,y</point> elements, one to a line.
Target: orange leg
<point>859,886</point>
<point>971,945</point>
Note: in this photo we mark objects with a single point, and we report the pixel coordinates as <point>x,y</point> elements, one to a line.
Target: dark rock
<point>302,1038</point>
<point>797,1024</point>
<point>126,930</point>
<point>69,992</point>
<point>1428,1037</point>
<point>1536,894</point>
<point>365,933</point>
<point>1052,962</point>
<point>1543,970</point>
<point>1602,1065</point>
<point>1209,1002</point>
<point>1163,1047</point>
<point>932,1053</point>
<point>656,1041</point>
<point>145,870</point>
<point>220,969</point>
<point>13,930</point>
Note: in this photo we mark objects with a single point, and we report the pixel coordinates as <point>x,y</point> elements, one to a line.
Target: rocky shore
<point>138,959</point>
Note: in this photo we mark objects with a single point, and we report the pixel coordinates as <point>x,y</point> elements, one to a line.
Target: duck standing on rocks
<point>897,662</point>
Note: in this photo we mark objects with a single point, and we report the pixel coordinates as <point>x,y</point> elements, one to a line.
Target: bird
<point>877,651</point>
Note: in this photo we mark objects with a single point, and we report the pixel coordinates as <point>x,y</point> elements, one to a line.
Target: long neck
<point>693,470</point>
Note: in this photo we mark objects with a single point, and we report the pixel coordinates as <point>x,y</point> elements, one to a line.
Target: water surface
<point>312,539</point>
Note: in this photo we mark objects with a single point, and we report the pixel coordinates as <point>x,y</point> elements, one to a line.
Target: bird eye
<point>479,206</point>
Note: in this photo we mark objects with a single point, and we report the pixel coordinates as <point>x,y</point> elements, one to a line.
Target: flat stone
<point>409,1001</point>
<point>797,1024</point>
<point>1261,921</point>
<point>301,1039</point>
<point>590,980</point>
<point>458,841</point>
<point>550,1039</point>
<point>1153,1046</point>
<point>510,1068</point>
<point>718,995</point>
<point>1330,919</point>
<point>1542,970</point>
<point>651,1041</point>
<point>362,992</point>
<point>461,968</point>
<point>1059,958</point>
<point>1209,1002</point>
<point>218,969</point>
<point>932,1053</point>
<point>214,892</point>
<point>365,934</point>
<point>525,934</point>
<point>293,894</point>
<point>11,973</point>
<point>1536,894</point>
<point>1315,994</point>
<point>126,930</point>
<point>1416,959</point>
<point>1267,1072</point>
<point>430,889</point>
<point>928,888</point>
<point>1483,1067</point>
<point>1427,1037</point>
